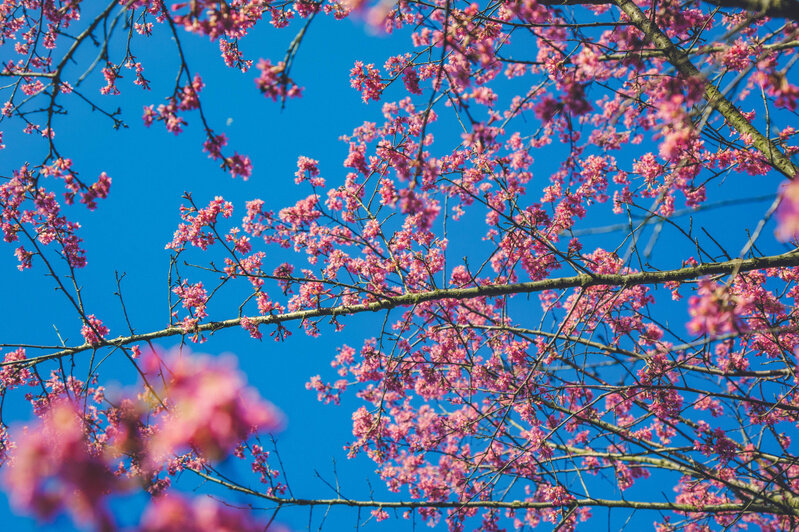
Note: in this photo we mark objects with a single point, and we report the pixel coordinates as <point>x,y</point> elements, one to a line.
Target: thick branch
<point>513,505</point>
<point>621,280</point>
<point>714,97</point>
<point>770,8</point>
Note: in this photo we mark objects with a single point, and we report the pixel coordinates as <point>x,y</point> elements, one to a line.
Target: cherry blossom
<point>788,212</point>
<point>544,238</point>
<point>210,409</point>
<point>53,469</point>
<point>173,513</point>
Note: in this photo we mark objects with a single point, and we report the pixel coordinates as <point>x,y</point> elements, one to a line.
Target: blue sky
<point>152,168</point>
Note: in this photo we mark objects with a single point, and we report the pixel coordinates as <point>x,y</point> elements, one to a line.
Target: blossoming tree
<point>554,329</point>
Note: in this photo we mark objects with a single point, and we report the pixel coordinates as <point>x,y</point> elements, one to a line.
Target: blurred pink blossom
<point>788,212</point>
<point>210,408</point>
<point>53,468</point>
<point>173,513</point>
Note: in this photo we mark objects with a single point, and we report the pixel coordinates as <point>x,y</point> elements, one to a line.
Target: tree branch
<point>714,97</point>
<point>621,280</point>
<point>771,8</point>
<point>745,507</point>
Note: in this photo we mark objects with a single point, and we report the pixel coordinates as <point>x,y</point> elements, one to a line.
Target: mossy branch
<point>736,507</point>
<point>620,280</point>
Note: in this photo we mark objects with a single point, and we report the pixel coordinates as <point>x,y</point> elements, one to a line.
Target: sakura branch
<point>389,302</point>
<point>534,252</point>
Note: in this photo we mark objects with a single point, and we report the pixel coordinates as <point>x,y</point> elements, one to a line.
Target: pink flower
<point>274,83</point>
<point>194,298</point>
<point>308,169</point>
<point>190,94</point>
<point>53,469</point>
<point>366,80</point>
<point>174,513</point>
<point>94,331</point>
<point>111,74</point>
<point>252,327</point>
<point>210,408</point>
<point>12,376</point>
<point>788,212</point>
<point>736,57</point>
<point>232,55</point>
<point>197,220</point>
<point>714,310</point>
<point>24,257</point>
<point>99,189</point>
<point>237,165</point>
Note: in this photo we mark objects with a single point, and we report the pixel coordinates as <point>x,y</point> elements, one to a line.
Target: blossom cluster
<point>524,349</point>
<point>70,460</point>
